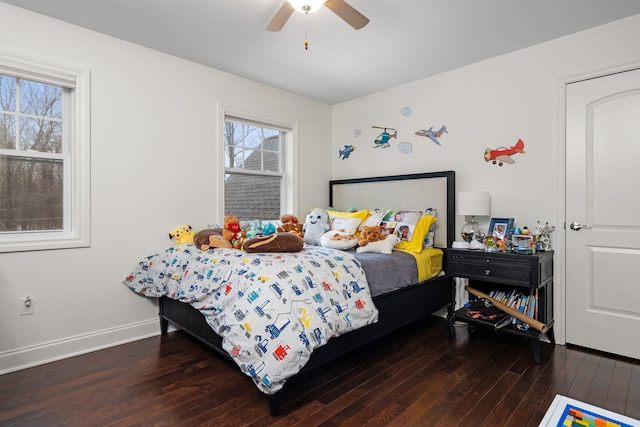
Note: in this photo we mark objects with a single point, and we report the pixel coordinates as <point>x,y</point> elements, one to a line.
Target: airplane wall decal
<point>503,155</point>
<point>434,135</point>
<point>344,153</point>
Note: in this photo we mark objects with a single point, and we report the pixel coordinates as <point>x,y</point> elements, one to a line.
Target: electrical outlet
<point>27,305</point>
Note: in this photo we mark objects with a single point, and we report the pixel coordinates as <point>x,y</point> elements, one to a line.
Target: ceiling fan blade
<point>281,17</point>
<point>347,13</point>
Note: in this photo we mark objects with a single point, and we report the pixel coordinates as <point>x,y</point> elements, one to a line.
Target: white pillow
<point>348,225</point>
<point>374,219</point>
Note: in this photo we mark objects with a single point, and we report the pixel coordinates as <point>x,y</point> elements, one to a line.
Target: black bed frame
<point>396,309</point>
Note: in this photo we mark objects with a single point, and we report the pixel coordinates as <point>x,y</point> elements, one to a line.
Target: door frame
<point>559,193</point>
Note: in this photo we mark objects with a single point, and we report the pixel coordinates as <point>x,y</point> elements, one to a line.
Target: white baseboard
<point>27,357</point>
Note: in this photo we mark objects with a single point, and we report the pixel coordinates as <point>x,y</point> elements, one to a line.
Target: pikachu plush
<point>182,234</point>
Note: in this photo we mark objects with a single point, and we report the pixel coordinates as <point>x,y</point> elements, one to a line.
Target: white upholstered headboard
<point>410,192</point>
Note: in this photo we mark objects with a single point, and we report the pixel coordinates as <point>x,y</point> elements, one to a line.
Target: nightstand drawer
<point>488,266</point>
<point>493,272</point>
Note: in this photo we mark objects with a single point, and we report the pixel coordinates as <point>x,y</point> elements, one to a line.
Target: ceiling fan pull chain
<point>306,36</point>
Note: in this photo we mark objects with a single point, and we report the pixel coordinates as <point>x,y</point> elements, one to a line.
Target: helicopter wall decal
<point>383,139</point>
<point>503,155</point>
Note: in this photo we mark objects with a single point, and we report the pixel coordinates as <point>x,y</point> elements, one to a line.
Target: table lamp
<point>473,203</point>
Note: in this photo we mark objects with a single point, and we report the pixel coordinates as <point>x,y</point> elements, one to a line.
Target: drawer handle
<point>487,272</point>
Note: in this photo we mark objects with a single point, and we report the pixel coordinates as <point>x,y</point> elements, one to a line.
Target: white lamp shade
<point>306,6</point>
<point>474,203</point>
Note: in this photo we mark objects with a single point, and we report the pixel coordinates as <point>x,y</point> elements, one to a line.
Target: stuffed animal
<point>276,242</point>
<point>370,233</point>
<point>290,224</point>
<point>316,225</point>
<point>216,241</point>
<point>182,233</point>
<point>268,229</point>
<point>203,239</point>
<point>336,239</point>
<point>231,227</point>
<point>232,231</point>
<point>384,246</point>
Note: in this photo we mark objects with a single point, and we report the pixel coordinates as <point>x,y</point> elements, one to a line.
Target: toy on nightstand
<point>543,238</point>
<point>491,243</point>
<point>501,245</point>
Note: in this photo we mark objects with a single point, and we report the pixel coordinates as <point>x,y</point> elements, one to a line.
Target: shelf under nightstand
<point>488,271</point>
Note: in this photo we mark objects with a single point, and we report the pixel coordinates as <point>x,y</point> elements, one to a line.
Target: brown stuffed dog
<point>370,233</point>
<point>210,238</point>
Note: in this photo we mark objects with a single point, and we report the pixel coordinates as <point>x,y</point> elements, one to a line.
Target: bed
<point>369,315</point>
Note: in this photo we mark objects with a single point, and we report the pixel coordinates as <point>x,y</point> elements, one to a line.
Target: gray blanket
<point>386,273</point>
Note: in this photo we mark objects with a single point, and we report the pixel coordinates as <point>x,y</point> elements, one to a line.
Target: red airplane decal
<point>503,155</point>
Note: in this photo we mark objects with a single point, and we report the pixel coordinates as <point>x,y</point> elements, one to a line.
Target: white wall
<point>154,119</point>
<point>488,105</point>
<point>154,139</point>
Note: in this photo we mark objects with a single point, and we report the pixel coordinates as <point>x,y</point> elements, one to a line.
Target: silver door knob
<point>576,226</point>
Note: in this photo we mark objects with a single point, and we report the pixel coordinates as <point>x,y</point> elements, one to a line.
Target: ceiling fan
<point>341,8</point>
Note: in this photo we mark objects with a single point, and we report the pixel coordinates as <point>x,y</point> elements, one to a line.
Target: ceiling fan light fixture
<point>306,6</point>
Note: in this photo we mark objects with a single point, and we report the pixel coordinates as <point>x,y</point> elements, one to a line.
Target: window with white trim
<point>255,175</point>
<point>44,157</point>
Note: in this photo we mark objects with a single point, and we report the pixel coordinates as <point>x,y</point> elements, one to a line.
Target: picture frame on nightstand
<point>500,228</point>
<point>523,244</point>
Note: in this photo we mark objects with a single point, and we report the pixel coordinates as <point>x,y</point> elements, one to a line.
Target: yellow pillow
<point>420,232</point>
<point>361,215</point>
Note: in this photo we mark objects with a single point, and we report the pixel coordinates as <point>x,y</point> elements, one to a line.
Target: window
<point>44,160</point>
<point>256,176</point>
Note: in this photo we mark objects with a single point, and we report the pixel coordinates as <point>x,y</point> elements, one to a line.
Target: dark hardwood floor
<point>417,378</point>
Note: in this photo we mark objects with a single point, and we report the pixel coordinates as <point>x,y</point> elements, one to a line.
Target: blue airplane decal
<point>344,154</point>
<point>434,135</point>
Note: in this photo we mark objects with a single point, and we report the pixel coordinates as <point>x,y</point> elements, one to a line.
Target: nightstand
<point>505,271</point>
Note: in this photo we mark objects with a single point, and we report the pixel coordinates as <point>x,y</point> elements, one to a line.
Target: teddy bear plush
<point>232,231</point>
<point>370,233</point>
<point>384,246</point>
<point>182,233</point>
<point>290,224</point>
<point>231,227</point>
<point>315,226</point>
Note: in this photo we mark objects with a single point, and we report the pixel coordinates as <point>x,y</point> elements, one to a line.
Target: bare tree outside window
<point>31,163</point>
<point>253,170</point>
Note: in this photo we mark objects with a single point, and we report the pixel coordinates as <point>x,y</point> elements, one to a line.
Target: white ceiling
<point>405,40</point>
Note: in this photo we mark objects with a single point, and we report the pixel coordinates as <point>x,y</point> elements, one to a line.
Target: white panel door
<point>603,213</point>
